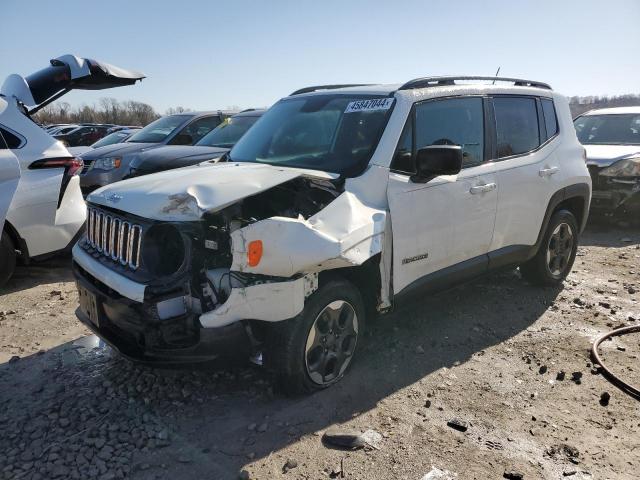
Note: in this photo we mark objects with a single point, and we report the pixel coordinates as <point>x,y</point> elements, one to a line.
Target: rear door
<point>446,224</point>
<point>9,177</point>
<point>527,167</point>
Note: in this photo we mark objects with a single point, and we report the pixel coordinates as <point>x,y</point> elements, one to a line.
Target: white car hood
<point>184,194</point>
<point>605,155</point>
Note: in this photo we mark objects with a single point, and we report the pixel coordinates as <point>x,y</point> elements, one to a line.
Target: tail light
<point>72,166</point>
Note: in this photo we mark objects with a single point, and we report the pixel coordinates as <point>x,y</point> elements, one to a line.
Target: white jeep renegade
<point>340,202</point>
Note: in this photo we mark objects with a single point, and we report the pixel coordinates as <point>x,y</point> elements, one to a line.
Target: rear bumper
<point>135,330</point>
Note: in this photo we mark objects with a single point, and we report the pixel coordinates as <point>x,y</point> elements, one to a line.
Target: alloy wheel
<point>559,249</point>
<point>331,342</point>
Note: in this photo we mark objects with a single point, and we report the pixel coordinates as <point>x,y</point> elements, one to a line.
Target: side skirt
<point>449,277</point>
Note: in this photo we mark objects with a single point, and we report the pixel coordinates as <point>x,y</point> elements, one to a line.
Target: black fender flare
<point>578,190</point>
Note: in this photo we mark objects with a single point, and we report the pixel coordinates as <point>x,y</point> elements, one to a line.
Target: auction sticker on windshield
<point>369,105</point>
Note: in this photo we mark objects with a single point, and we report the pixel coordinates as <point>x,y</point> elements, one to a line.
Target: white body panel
<point>9,177</point>
<point>184,194</point>
<point>34,213</point>
<point>439,223</point>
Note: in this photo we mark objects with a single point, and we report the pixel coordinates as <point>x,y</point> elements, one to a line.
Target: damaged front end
<point>616,188</point>
<point>186,290</point>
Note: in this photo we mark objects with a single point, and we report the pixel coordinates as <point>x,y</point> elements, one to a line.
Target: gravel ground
<point>504,361</point>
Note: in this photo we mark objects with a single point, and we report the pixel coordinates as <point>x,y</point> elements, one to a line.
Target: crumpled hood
<point>174,156</point>
<point>186,193</point>
<point>117,149</point>
<point>605,155</point>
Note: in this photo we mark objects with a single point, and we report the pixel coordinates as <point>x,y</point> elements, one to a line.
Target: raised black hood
<point>64,74</point>
<point>174,156</point>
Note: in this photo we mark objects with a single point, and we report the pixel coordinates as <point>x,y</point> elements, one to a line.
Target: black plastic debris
<point>343,439</point>
<point>458,424</point>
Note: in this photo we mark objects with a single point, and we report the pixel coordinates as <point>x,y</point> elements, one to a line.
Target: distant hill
<point>580,105</point>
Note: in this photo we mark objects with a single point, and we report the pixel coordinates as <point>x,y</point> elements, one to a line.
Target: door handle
<point>547,172</point>
<point>482,188</point>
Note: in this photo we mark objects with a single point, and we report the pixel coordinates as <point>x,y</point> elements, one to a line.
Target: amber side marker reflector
<point>254,253</point>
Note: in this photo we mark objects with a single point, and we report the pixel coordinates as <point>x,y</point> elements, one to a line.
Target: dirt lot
<point>489,353</point>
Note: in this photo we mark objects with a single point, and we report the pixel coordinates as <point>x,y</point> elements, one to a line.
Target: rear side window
<point>198,129</point>
<point>516,125</point>
<point>12,141</point>
<point>455,121</point>
<point>550,120</point>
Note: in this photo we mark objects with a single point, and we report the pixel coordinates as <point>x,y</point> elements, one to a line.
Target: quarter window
<point>455,121</point>
<point>12,141</point>
<point>516,125</point>
<point>550,120</point>
<point>403,159</point>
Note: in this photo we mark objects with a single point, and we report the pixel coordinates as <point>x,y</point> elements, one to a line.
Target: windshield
<point>115,137</point>
<point>618,129</point>
<point>334,133</point>
<point>159,130</point>
<point>228,132</point>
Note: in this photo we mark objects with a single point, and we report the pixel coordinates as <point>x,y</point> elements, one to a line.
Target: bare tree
<point>109,110</point>
<point>580,105</point>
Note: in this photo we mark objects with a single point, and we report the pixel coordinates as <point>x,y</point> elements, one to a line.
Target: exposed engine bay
<point>211,262</point>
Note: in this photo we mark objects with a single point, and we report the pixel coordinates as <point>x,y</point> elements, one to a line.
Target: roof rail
<point>327,87</point>
<point>425,82</point>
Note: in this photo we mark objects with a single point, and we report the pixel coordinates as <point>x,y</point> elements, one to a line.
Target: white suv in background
<point>339,202</point>
<point>47,212</point>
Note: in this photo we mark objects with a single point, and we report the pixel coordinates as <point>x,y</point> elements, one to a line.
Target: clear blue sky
<point>206,54</point>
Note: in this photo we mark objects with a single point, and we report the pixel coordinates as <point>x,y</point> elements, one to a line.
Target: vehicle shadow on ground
<point>54,270</point>
<point>209,412</point>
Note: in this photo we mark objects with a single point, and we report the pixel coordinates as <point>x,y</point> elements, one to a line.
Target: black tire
<point>285,355</point>
<point>7,258</point>
<point>552,262</point>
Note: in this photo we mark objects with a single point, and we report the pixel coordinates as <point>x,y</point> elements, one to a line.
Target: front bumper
<point>614,195</point>
<point>135,330</point>
<point>93,179</point>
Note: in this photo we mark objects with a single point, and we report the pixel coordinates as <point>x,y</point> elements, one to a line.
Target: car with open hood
<point>212,146</point>
<point>47,212</point>
<point>340,202</point>
<point>111,163</point>
<point>611,137</point>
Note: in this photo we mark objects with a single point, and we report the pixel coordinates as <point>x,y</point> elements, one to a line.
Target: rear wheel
<point>313,350</point>
<point>557,252</point>
<point>7,258</point>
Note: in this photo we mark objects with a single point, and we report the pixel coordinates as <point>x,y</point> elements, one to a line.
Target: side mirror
<point>182,139</point>
<point>437,160</point>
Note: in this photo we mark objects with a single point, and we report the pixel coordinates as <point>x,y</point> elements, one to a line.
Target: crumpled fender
<point>345,233</point>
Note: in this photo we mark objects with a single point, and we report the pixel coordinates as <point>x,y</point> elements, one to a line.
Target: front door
<point>446,223</point>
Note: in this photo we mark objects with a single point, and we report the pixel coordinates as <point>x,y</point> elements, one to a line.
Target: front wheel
<point>557,252</point>
<point>313,350</point>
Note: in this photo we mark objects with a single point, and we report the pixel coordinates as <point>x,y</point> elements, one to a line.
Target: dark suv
<point>110,163</point>
<point>213,145</point>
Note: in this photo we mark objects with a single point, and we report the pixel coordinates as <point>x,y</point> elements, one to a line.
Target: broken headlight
<point>629,167</point>
<point>163,249</point>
